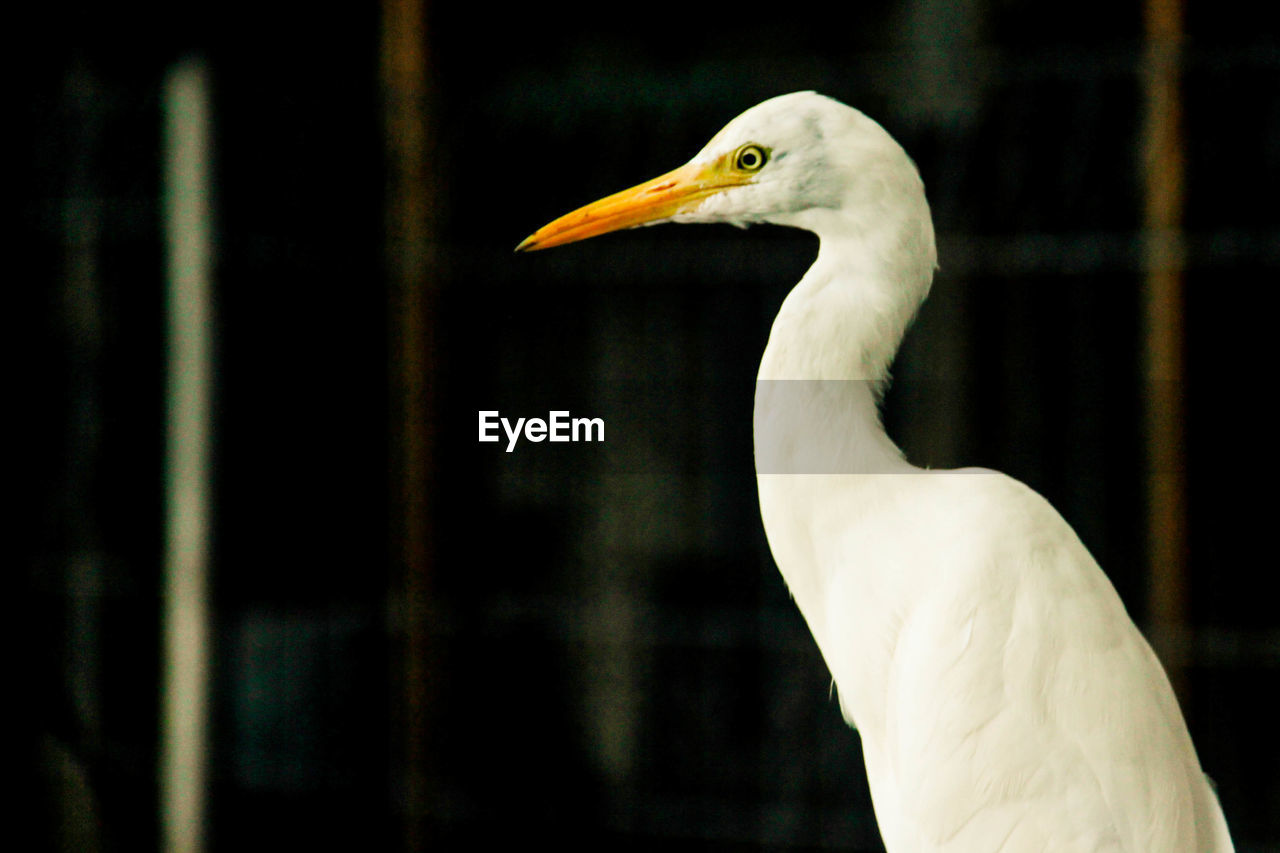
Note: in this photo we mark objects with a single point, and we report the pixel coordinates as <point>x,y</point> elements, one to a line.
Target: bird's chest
<point>849,562</point>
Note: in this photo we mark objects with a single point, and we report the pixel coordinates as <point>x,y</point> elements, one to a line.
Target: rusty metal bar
<point>409,254</point>
<point>1164,170</point>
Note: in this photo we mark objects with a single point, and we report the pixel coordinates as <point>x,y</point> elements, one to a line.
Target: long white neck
<point>832,342</point>
<point>817,393</point>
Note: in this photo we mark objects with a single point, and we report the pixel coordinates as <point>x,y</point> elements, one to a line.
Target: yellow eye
<point>750,158</point>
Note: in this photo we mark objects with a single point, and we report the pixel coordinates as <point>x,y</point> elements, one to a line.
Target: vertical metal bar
<point>406,97</point>
<point>1164,171</point>
<point>188,244</point>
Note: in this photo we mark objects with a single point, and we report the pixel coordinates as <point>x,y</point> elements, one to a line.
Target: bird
<point>1004,698</point>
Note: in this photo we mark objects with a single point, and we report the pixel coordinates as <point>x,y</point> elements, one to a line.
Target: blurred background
<point>319,613</point>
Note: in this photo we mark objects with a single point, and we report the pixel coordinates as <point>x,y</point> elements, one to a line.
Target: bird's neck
<point>829,353</point>
<point>817,396</point>
<point>846,317</point>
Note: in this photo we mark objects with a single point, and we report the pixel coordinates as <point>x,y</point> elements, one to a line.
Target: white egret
<point>1005,699</point>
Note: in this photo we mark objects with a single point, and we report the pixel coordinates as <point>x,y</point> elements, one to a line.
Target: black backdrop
<point>614,658</point>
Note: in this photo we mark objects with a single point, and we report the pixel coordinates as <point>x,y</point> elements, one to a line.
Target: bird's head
<point>801,159</point>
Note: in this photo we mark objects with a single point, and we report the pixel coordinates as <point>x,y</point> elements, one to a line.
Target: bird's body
<point>1004,697</point>
<point>1002,693</point>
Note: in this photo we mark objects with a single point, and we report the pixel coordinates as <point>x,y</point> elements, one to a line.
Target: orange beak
<point>679,191</point>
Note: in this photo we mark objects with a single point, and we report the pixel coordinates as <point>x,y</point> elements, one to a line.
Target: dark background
<point>611,657</point>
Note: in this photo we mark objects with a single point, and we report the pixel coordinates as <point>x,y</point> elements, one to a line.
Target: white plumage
<point>1004,697</point>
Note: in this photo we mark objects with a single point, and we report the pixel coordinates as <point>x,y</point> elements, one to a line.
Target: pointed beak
<point>676,192</point>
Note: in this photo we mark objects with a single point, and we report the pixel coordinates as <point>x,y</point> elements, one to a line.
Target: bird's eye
<point>750,158</point>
